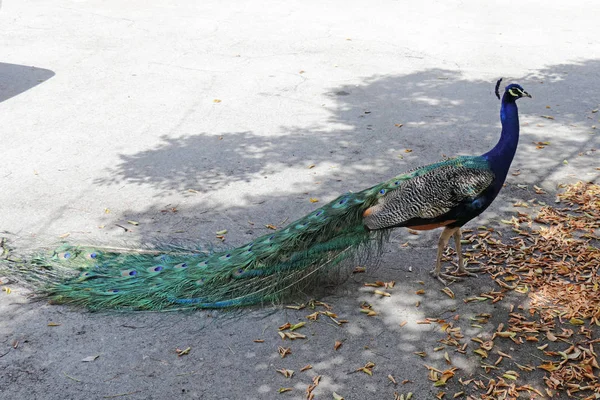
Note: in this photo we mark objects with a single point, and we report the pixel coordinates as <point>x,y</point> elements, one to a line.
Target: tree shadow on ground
<point>439,110</point>
<point>16,79</point>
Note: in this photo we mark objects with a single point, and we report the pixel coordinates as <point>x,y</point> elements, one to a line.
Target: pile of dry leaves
<point>554,258</point>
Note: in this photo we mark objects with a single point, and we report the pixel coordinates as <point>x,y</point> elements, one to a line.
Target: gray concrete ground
<point>191,117</point>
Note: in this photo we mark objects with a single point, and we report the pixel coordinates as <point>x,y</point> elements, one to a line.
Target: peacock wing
<point>430,192</point>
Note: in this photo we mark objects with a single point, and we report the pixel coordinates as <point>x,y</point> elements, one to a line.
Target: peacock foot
<point>444,277</point>
<point>457,275</point>
<point>470,271</point>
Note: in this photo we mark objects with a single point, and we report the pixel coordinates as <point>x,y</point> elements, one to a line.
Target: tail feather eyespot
<point>340,203</point>
<point>128,272</point>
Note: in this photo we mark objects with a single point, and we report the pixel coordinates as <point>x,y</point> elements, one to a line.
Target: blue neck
<point>501,156</point>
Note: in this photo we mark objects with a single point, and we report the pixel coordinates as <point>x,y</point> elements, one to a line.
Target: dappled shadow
<point>441,114</point>
<point>366,138</point>
<point>15,79</point>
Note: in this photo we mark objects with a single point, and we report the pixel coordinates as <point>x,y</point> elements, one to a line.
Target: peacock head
<point>512,92</point>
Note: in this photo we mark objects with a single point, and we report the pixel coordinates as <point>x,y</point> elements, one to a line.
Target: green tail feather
<point>264,270</point>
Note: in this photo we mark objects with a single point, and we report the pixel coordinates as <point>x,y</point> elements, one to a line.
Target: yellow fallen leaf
<point>549,366</point>
<point>297,326</point>
<point>183,352</point>
<point>382,293</point>
<point>448,292</point>
<point>481,352</point>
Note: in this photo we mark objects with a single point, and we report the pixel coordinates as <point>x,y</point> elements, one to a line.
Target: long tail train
<point>265,270</point>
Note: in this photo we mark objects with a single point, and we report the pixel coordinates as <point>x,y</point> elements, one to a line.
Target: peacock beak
<point>525,94</point>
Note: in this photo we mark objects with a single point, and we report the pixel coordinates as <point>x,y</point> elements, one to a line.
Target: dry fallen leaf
<point>284,351</point>
<point>288,373</point>
<point>448,292</point>
<point>297,326</point>
<point>183,352</point>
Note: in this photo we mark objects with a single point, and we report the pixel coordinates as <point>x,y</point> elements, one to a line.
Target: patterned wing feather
<point>431,192</point>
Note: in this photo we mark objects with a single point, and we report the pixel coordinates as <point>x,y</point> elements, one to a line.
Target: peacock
<point>446,194</point>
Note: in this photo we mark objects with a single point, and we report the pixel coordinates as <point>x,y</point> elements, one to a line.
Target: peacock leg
<point>442,243</point>
<point>461,264</point>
